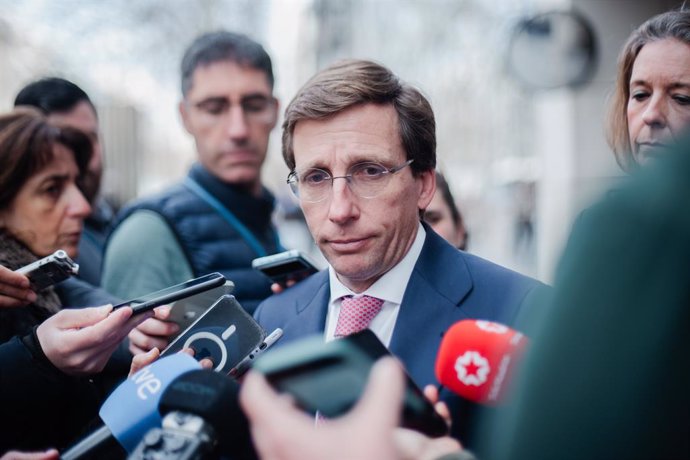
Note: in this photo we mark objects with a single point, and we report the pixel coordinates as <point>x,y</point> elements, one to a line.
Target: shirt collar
<point>392,285</point>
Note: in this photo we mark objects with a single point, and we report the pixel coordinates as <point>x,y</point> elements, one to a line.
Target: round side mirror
<point>552,50</point>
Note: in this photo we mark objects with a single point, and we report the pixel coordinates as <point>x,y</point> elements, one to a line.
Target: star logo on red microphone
<point>472,368</point>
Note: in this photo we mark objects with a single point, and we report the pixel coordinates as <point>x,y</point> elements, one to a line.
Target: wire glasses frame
<point>366,180</point>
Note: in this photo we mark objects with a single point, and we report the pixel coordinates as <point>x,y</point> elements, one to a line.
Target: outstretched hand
<point>80,341</point>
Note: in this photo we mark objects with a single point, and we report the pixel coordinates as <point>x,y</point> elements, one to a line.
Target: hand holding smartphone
<point>173,293</point>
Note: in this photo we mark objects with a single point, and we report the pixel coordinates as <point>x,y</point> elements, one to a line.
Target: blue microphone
<point>131,410</point>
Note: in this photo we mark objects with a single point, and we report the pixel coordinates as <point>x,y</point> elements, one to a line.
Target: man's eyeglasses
<point>256,108</point>
<point>366,180</point>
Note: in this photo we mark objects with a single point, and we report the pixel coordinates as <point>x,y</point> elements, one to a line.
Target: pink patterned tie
<point>356,314</point>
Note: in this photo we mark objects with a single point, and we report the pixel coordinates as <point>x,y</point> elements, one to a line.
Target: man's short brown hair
<point>353,82</point>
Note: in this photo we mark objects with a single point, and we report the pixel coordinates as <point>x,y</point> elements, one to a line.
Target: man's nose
<point>342,205</point>
<point>236,123</point>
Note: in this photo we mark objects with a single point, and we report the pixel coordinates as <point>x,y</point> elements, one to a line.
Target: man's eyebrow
<point>211,99</point>
<point>314,165</point>
<point>256,96</point>
<point>680,85</point>
<point>225,99</point>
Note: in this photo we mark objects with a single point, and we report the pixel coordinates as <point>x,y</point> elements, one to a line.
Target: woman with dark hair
<point>49,357</point>
<point>650,107</point>
<point>41,206</point>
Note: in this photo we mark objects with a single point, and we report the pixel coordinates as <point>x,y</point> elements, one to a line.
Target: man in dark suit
<point>361,147</point>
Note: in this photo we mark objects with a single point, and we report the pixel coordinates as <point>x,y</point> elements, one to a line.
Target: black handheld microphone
<point>201,418</point>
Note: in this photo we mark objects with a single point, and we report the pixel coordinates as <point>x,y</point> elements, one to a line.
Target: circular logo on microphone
<point>472,368</point>
<point>489,326</point>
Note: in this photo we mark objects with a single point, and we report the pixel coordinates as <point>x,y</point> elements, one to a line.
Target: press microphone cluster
<point>132,408</point>
<point>477,358</point>
<point>200,408</point>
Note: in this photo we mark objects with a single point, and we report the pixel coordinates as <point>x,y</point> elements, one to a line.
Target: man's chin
<point>239,176</point>
<point>355,270</point>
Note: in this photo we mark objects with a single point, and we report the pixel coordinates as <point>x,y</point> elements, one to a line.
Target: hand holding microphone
<point>477,359</point>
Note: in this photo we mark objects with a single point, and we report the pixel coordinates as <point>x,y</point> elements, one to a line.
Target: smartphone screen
<point>173,293</point>
<point>225,334</point>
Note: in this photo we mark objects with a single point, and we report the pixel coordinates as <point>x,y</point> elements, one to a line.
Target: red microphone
<point>476,359</point>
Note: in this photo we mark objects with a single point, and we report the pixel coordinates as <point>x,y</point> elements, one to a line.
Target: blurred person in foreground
<point>607,374</point>
<point>444,217</point>
<point>361,147</point>
<point>66,104</point>
<point>219,217</point>
<point>49,357</point>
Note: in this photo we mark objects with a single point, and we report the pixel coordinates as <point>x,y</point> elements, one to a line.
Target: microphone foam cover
<point>476,359</point>
<point>214,397</point>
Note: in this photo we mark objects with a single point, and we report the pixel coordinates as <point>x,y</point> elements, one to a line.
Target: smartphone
<point>329,378</point>
<point>50,270</point>
<point>225,333</point>
<point>284,266</point>
<point>185,311</point>
<point>173,293</point>
<point>243,366</point>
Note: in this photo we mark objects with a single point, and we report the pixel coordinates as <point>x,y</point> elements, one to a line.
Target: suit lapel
<point>432,302</point>
<point>310,310</point>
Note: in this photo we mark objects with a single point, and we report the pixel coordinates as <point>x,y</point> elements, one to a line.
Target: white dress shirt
<point>390,288</point>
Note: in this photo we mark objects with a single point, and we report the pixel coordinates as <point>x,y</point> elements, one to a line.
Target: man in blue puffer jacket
<point>219,217</point>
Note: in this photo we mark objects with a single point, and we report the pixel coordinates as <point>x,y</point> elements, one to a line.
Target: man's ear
<point>427,184</point>
<point>184,115</point>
